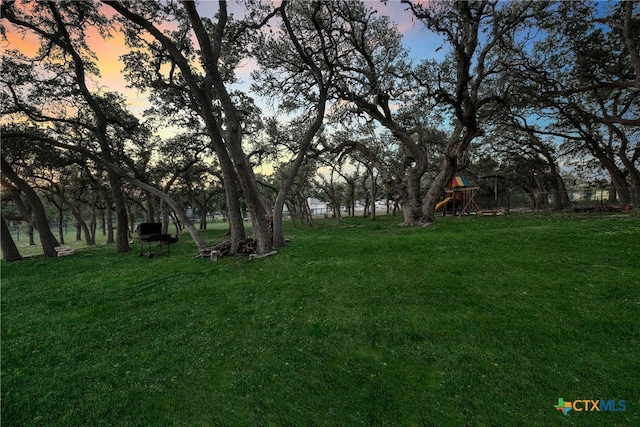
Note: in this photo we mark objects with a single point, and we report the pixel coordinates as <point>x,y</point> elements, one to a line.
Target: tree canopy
<point>230,88</point>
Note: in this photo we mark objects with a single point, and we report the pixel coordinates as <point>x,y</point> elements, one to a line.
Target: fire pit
<point>152,238</point>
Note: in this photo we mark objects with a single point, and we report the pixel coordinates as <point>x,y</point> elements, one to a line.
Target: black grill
<point>152,238</point>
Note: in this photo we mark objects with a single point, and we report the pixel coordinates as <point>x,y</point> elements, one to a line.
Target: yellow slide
<point>442,203</point>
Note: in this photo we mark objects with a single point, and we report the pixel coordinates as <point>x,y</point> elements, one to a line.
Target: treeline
<point>523,89</point>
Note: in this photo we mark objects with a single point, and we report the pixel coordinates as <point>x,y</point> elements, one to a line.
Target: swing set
<point>460,199</point>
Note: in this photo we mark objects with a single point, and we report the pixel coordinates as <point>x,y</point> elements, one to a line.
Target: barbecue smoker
<point>151,238</point>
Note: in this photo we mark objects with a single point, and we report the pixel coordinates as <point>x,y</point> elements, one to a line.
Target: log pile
<point>245,246</point>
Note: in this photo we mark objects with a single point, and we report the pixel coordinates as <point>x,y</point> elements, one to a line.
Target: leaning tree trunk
<point>436,188</point>
<point>169,201</point>
<point>40,220</point>
<point>122,174</point>
<point>210,55</point>
<point>246,178</point>
<point>616,175</point>
<point>202,97</point>
<point>63,39</point>
<point>278,209</point>
<point>10,251</point>
<point>619,181</point>
<point>89,237</point>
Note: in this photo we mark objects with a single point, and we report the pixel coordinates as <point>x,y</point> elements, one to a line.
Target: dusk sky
<point>421,44</point>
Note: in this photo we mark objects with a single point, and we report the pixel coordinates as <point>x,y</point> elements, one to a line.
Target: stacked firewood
<point>245,246</point>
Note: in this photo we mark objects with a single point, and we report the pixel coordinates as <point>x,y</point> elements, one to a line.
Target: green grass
<point>21,238</point>
<point>475,321</point>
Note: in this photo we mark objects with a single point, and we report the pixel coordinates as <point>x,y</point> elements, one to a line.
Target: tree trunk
<point>63,39</point>
<point>233,215</point>
<point>616,175</point>
<point>233,133</point>
<point>412,214</point>
<point>109,221</point>
<point>60,231</point>
<point>560,197</point>
<point>93,222</point>
<point>122,219</point>
<point>436,189</point>
<point>144,186</point>
<point>374,191</point>
<point>634,174</point>
<point>619,181</point>
<point>565,202</point>
<point>31,234</point>
<point>542,199</point>
<point>202,100</point>
<point>307,139</point>
<point>278,220</point>
<point>40,220</point>
<point>285,188</point>
<point>10,252</point>
<point>164,217</point>
<point>80,223</point>
<point>150,205</point>
<point>172,204</point>
<point>103,223</point>
<point>60,220</point>
<point>202,224</point>
<point>410,200</point>
<point>631,165</point>
<point>459,141</point>
<point>132,219</point>
<point>308,217</point>
<point>247,180</point>
<point>636,194</point>
<point>613,193</point>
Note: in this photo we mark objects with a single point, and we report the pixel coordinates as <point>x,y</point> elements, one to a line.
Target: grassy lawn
<point>475,321</point>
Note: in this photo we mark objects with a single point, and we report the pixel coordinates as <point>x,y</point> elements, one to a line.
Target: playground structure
<point>460,199</point>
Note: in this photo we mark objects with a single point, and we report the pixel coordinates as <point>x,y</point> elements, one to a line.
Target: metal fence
<point>590,198</point>
<point>585,198</point>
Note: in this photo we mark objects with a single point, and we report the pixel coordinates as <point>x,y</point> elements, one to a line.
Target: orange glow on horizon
<point>109,51</point>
